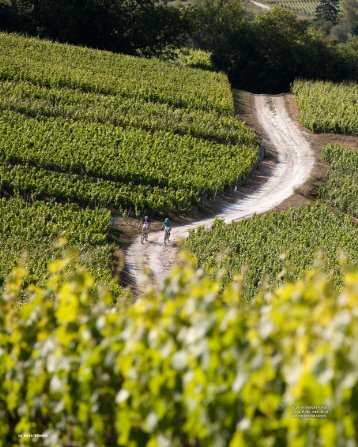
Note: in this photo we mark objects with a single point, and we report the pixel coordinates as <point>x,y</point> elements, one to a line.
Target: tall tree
<point>275,54</point>
<point>218,25</point>
<point>347,20</point>
<point>128,26</point>
<point>328,10</point>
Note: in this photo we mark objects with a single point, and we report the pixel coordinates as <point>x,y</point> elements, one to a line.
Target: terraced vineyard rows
<point>306,7</point>
<point>34,100</point>
<point>187,166</point>
<point>276,246</point>
<point>33,228</point>
<point>56,65</point>
<point>111,130</point>
<point>328,107</point>
<point>43,183</point>
<point>341,188</point>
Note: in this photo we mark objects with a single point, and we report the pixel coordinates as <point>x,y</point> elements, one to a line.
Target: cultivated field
<point>28,232</point>
<point>236,323</point>
<point>116,131</point>
<point>57,65</point>
<point>303,7</point>
<point>276,246</point>
<point>328,107</point>
<point>341,188</point>
<point>105,131</point>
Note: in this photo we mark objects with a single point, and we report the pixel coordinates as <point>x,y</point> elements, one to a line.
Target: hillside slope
<point>294,163</point>
<point>110,130</point>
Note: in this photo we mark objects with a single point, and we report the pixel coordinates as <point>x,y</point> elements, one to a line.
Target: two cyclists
<point>167,227</point>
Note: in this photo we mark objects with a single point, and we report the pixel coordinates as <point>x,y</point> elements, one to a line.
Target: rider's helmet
<point>166,219</point>
<point>146,217</point>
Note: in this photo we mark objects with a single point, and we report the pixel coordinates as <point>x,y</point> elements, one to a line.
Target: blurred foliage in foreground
<point>191,365</point>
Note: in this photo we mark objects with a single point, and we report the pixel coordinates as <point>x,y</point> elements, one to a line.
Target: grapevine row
<point>35,100</point>
<point>51,64</point>
<point>341,188</point>
<point>307,7</point>
<point>276,246</point>
<point>328,107</point>
<point>42,183</point>
<point>33,228</point>
<point>125,155</point>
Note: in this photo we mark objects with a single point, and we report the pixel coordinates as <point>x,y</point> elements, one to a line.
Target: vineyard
<point>110,130</point>
<point>34,100</point>
<point>305,7</point>
<point>328,107</point>
<point>188,362</point>
<point>276,246</point>
<point>173,275</point>
<point>341,188</point>
<point>102,131</point>
<point>188,167</point>
<point>86,70</point>
<point>32,230</point>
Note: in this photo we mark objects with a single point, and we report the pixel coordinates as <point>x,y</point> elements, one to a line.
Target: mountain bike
<point>166,235</point>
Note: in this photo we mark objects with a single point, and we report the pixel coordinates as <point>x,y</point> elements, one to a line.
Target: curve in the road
<point>292,168</point>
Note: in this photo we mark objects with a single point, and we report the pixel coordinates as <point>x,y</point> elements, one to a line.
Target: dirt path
<point>260,5</point>
<point>292,168</point>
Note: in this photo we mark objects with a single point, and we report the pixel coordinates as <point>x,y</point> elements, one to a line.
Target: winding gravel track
<point>260,5</point>
<point>292,168</point>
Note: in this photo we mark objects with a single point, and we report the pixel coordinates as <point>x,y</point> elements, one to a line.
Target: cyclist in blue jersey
<point>167,227</point>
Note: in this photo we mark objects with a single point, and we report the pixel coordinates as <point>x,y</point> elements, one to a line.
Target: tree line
<point>127,26</point>
<point>337,18</point>
<point>268,52</point>
<point>262,53</point>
